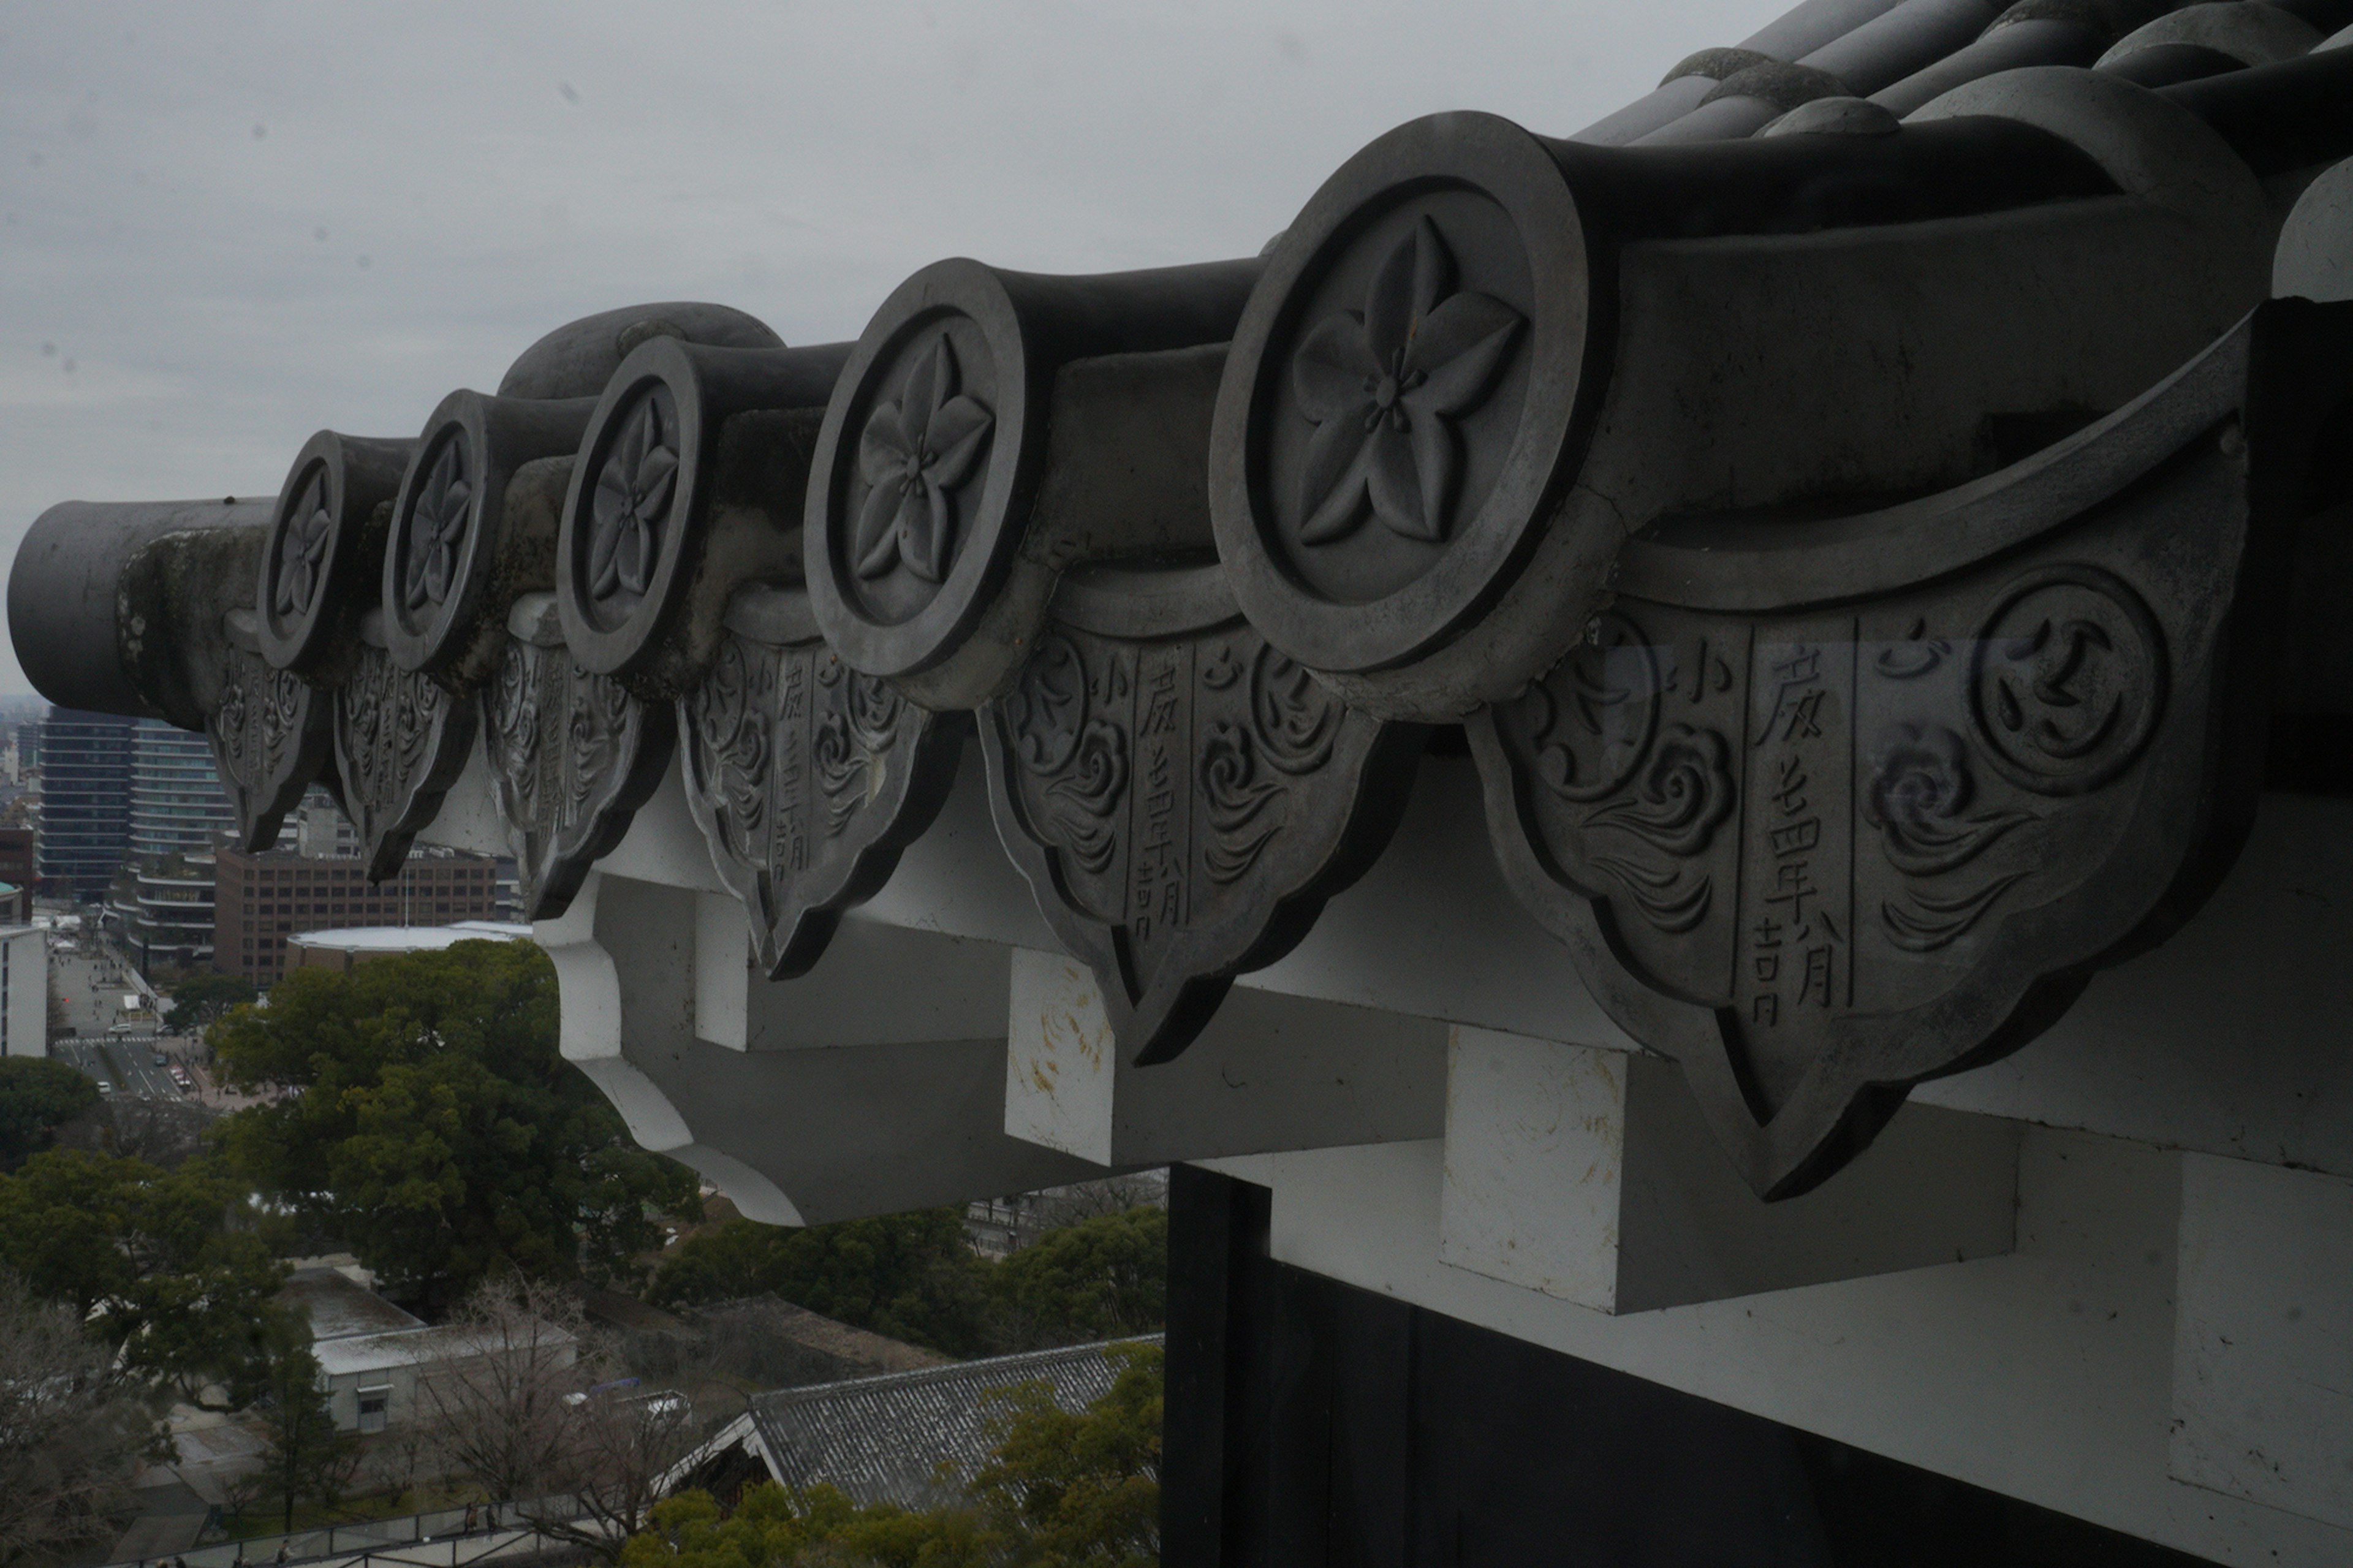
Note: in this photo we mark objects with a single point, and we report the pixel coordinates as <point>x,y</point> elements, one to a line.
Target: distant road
<point>128,1065</point>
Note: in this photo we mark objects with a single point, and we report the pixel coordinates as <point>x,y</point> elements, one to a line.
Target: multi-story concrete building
<point>161,901</point>
<point>85,801</point>
<point>176,803</point>
<point>24,991</point>
<point>261,900</point>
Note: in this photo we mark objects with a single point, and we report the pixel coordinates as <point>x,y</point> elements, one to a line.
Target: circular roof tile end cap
<point>1405,397</point>
<point>323,562</point>
<point>1836,117</point>
<point>448,536</point>
<point>578,358</point>
<point>2250,32</point>
<point>919,486</point>
<point>2150,147</point>
<point>652,541</point>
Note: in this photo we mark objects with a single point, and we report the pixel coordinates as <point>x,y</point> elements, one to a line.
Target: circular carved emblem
<point>1402,394</point>
<point>1394,389</point>
<point>629,505</point>
<point>1048,708</point>
<point>319,561</point>
<point>907,535</point>
<point>431,539</point>
<point>918,456</point>
<point>432,545</point>
<point>2067,679</point>
<point>1590,723</point>
<point>924,443</point>
<point>304,536</point>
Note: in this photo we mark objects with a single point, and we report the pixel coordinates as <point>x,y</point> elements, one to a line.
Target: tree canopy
<point>162,1264</point>
<point>1059,1490</point>
<point>914,1277</point>
<point>437,1130</point>
<point>199,999</point>
<point>37,1096</point>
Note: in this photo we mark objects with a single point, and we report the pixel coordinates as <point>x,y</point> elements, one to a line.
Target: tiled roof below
<point>885,1439</point>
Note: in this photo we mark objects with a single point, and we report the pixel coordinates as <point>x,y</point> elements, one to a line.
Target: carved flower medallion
<point>632,504</point>
<point>437,530</point>
<point>917,452</point>
<point>1383,387</point>
<point>302,552</point>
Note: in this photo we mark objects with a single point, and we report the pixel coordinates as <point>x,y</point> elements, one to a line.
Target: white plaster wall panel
<point>1591,1175</point>
<point>2043,1374</point>
<point>793,1136</point>
<point>957,879</point>
<point>663,844</point>
<point>722,970</point>
<point>2262,1369</point>
<point>881,985</point>
<point>1431,929</point>
<point>1534,1167</point>
<point>468,818</point>
<point>2228,1039</point>
<point>28,994</point>
<point>1268,1072</point>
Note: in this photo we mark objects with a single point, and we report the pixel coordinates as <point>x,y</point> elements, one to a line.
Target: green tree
<point>435,1128</point>
<point>149,1258</point>
<point>915,1278</point>
<point>37,1095</point>
<point>1080,1491</point>
<point>1105,1278</point>
<point>912,1276</point>
<point>303,1454</point>
<point>199,999</point>
<point>66,1222</point>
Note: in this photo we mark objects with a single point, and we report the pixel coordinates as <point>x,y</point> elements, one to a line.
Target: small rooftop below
<point>341,1307</point>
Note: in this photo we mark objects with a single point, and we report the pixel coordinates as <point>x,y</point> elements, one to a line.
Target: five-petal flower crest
<point>633,497</point>
<point>302,554</point>
<point>436,527</point>
<point>1380,386</point>
<point>915,453</point>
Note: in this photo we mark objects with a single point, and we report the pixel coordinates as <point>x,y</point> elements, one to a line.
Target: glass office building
<point>85,801</point>
<point>161,903</point>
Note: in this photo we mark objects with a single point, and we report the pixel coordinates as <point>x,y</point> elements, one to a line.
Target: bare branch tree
<point>530,1410</point>
<point>497,1402</point>
<point>69,1427</point>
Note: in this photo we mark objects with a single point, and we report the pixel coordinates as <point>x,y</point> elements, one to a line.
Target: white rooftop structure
<point>409,939</point>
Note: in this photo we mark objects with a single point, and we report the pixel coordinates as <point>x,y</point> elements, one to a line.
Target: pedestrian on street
<point>282,1554</point>
<point>471,1511</point>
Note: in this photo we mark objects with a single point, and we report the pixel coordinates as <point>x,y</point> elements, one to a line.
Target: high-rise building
<point>177,801</point>
<point>85,801</point>
<point>28,746</point>
<point>161,901</point>
<point>261,899</point>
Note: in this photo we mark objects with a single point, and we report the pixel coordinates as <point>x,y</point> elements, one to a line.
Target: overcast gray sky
<point>224,227</point>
